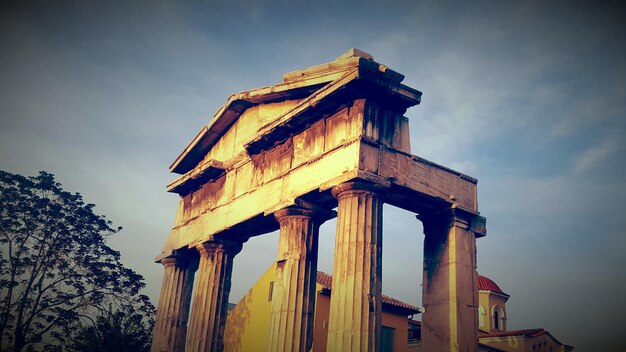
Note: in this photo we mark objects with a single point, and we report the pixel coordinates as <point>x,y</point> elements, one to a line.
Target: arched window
<point>498,318</point>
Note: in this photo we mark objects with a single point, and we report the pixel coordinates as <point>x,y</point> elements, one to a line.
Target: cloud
<point>595,155</point>
<point>528,97</point>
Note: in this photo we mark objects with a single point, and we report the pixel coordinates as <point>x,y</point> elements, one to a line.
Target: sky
<point>529,97</point>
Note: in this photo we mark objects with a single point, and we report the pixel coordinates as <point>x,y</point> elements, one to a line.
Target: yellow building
<point>248,322</point>
<point>492,329</point>
<point>491,306</point>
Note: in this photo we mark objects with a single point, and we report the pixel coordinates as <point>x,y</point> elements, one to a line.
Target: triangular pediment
<point>303,96</point>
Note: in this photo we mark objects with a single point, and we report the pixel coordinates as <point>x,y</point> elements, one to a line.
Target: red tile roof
<point>486,284</point>
<point>326,280</point>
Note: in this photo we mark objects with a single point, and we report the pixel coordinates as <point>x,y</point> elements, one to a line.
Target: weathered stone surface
<point>325,131</point>
<point>293,298</point>
<point>450,295</point>
<point>355,305</point>
<point>170,327</point>
<point>210,295</point>
<point>317,158</point>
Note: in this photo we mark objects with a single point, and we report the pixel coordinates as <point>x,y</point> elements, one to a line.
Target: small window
<point>269,295</point>
<point>496,320</point>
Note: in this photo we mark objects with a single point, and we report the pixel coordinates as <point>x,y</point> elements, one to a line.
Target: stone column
<point>355,301</point>
<point>170,327</point>
<point>293,298</point>
<point>210,295</point>
<point>449,292</point>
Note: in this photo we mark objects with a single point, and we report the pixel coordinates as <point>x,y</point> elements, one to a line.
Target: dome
<point>486,284</point>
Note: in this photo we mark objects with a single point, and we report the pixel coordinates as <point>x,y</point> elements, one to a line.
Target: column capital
<point>457,216</point>
<point>294,211</point>
<point>358,187</point>
<point>219,244</point>
<point>316,213</point>
<point>178,259</point>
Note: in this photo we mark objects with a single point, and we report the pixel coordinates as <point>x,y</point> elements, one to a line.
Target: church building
<point>492,324</point>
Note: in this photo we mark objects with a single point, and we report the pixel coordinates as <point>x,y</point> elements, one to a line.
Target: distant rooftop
<point>486,284</point>
<point>524,332</point>
<point>326,280</point>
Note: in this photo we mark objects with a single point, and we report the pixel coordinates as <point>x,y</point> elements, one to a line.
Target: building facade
<point>248,322</point>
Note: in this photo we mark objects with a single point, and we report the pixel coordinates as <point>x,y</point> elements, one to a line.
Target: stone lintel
<point>415,179</point>
<point>414,184</point>
<point>371,142</point>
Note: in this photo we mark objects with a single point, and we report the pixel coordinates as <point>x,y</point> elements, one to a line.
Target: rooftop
<point>486,284</point>
<point>326,280</point>
<point>524,332</point>
<point>528,333</point>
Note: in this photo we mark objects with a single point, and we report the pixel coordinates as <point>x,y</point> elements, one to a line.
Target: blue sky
<point>529,97</point>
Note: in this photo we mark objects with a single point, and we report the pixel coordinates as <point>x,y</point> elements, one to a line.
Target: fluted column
<point>210,295</point>
<point>293,298</point>
<point>355,301</point>
<point>449,292</point>
<point>170,327</point>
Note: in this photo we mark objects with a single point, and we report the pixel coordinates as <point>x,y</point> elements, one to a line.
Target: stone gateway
<point>283,157</point>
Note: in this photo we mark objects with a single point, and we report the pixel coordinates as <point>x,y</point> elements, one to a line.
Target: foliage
<point>55,266</point>
<point>114,331</point>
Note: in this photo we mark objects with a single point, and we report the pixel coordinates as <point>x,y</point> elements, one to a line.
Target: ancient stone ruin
<point>283,157</point>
